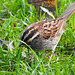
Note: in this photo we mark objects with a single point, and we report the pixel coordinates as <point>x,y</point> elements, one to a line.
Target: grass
<point>15,16</point>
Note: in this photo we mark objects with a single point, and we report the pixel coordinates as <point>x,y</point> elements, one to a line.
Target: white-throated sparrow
<point>46,34</point>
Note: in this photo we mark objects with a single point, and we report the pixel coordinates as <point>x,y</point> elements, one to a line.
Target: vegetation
<point>15,16</point>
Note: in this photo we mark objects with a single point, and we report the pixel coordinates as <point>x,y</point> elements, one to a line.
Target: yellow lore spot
<point>27,41</point>
<point>21,37</point>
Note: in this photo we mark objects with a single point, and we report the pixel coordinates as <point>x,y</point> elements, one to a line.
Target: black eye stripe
<point>31,35</point>
<point>28,37</point>
<point>26,32</point>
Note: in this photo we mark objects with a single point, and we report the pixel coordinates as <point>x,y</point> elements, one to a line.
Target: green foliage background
<point>15,16</point>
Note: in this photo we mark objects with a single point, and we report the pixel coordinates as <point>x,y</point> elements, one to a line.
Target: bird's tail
<point>68,12</point>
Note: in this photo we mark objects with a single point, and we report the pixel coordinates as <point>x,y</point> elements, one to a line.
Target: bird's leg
<point>53,50</point>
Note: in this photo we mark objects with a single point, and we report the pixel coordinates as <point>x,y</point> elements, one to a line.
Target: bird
<point>45,35</point>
